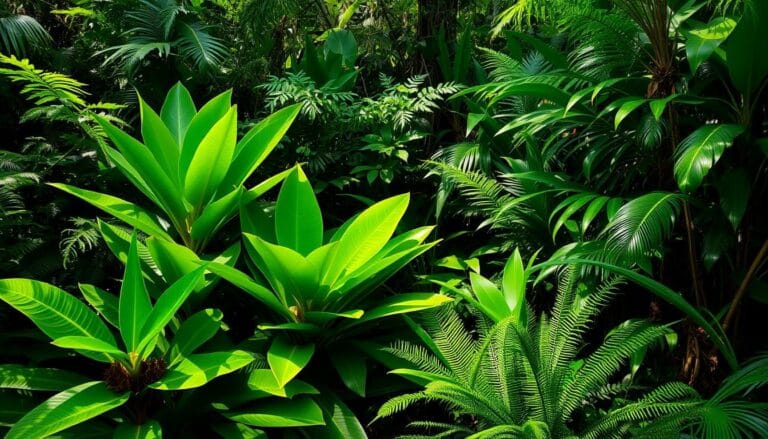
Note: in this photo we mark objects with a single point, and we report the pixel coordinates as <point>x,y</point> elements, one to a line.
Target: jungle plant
<point>321,287</point>
<point>190,165</point>
<point>21,34</point>
<point>171,30</point>
<point>151,358</point>
<point>529,378</point>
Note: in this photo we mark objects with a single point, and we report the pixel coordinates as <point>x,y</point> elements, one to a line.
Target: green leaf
<point>699,152</point>
<point>134,305</point>
<point>351,368</point>
<point>54,311</point>
<point>642,224</point>
<point>13,376</point>
<point>120,209</point>
<point>734,188</point>
<point>193,332</point>
<point>148,430</point>
<point>245,283</point>
<point>79,342</point>
<point>513,287</point>
<point>211,160</point>
<point>119,242</point>
<point>287,359</point>
<point>177,112</point>
<point>402,303</point>
<point>159,141</point>
<point>489,296</point>
<point>626,109</point>
<point>216,215</point>
<point>173,260</point>
<point>702,41</point>
<point>167,305</point>
<point>365,237</point>
<point>297,412</point>
<point>141,159</point>
<point>293,277</point>
<point>258,143</point>
<point>340,421</point>
<point>298,220</point>
<point>65,409</point>
<point>200,125</point>
<point>104,302</point>
<point>197,369</point>
<point>264,380</point>
<point>746,49</point>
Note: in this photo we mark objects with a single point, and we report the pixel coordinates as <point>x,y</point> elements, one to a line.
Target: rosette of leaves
<point>142,372</point>
<point>322,288</point>
<point>190,165</point>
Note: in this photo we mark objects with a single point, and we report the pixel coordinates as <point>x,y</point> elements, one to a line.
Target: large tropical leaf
<point>699,152</point>
<point>134,305</point>
<point>66,409</point>
<point>298,220</point>
<point>22,34</point>
<point>287,359</point>
<point>13,376</point>
<point>642,224</point>
<point>56,312</point>
<point>197,369</point>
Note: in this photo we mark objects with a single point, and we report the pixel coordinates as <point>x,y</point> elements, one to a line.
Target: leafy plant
<point>321,289</point>
<point>149,360</point>
<point>190,165</point>
<point>527,377</point>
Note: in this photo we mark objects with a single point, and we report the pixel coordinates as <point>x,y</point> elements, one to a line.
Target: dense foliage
<point>363,218</point>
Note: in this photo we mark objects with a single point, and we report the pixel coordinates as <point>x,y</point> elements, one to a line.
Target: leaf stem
<point>737,298</point>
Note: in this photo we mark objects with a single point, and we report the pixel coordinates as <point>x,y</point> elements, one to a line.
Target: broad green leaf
<point>134,305</point>
<point>291,275</point>
<point>642,225</point>
<point>734,188</point>
<point>699,152</point>
<point>173,260</point>
<point>702,41</point>
<point>298,220</point>
<point>258,143</point>
<point>56,312</point>
<point>197,369</point>
<point>119,242</point>
<point>297,412</point>
<point>351,368</point>
<point>255,221</point>
<point>287,359</point>
<point>65,409</point>
<point>513,287</point>
<point>193,333</point>
<point>746,48</point>
<point>365,237</point>
<point>167,306</point>
<point>148,430</point>
<point>263,187</point>
<point>245,283</point>
<point>103,302</point>
<point>340,421</point>
<point>659,105</point>
<point>82,343</point>
<point>322,317</point>
<point>264,380</point>
<point>159,141</point>
<point>625,110</point>
<point>211,160</point>
<point>472,120</point>
<point>401,304</point>
<point>177,112</point>
<point>200,125</point>
<point>120,209</point>
<point>594,208</point>
<point>13,376</point>
<point>489,296</point>
<point>216,215</point>
<point>142,160</point>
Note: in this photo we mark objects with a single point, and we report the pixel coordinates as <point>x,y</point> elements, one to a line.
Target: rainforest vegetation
<point>383,218</point>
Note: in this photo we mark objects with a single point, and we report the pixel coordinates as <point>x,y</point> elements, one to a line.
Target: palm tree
<point>20,34</point>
